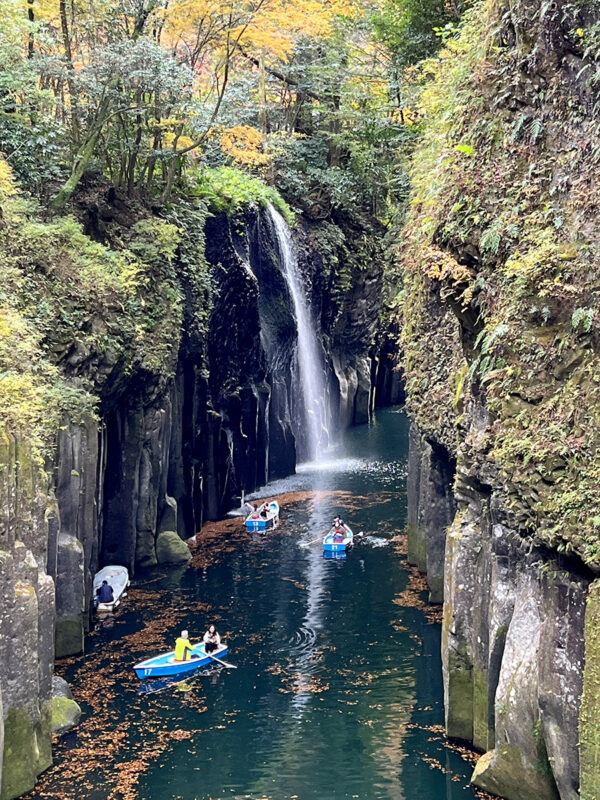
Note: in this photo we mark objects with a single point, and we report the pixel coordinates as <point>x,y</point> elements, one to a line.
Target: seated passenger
<point>183,648</point>
<point>105,593</point>
<point>212,640</point>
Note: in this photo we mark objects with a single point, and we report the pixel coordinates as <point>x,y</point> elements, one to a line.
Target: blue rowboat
<point>330,545</point>
<point>266,516</point>
<point>164,665</point>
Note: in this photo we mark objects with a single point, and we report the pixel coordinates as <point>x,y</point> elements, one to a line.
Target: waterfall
<point>310,360</point>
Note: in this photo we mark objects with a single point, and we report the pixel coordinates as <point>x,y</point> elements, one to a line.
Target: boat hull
<point>165,665</point>
<point>255,522</point>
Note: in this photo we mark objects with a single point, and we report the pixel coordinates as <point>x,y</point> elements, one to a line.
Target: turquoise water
<point>337,692</point>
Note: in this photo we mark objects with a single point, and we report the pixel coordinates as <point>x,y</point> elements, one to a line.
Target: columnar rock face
<point>26,620</point>
<point>514,642</point>
<point>431,509</point>
<point>183,425</point>
<point>167,456</point>
<point>501,357</point>
<point>589,730</point>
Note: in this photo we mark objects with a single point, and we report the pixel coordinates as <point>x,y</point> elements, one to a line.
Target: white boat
<point>118,580</point>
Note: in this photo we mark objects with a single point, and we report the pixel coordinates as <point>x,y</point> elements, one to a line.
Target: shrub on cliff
<point>78,314</point>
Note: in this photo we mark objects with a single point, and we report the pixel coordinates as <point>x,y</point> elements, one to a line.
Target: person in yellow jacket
<point>183,648</point>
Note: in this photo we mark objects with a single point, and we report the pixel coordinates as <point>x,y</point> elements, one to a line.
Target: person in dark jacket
<point>212,640</point>
<point>105,593</point>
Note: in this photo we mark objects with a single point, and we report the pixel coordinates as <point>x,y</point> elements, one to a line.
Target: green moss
<point>231,190</point>
<point>21,755</point>
<point>417,547</point>
<point>483,732</point>
<point>65,714</point>
<point>69,303</point>
<point>589,730</point>
<point>44,739</point>
<point>436,588</point>
<point>499,282</point>
<point>171,549</point>
<point>504,772</point>
<point>68,637</point>
<point>459,705</point>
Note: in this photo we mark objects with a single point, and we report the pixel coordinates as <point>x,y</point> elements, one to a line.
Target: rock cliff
<point>501,351</point>
<point>149,380</point>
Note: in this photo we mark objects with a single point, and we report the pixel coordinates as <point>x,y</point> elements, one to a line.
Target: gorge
<point>189,312</point>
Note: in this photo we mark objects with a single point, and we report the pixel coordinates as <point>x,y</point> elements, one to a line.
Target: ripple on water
<point>302,641</point>
<point>376,541</point>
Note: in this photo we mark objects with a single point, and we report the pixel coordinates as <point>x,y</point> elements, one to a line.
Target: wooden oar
<point>320,539</point>
<point>214,658</point>
<point>225,664</point>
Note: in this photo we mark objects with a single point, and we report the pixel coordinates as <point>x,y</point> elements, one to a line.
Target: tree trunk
<point>83,158</point>
<point>31,18</point>
<point>64,23</point>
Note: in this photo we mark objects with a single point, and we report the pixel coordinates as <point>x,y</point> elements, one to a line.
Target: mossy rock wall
<point>26,620</point>
<point>151,381</point>
<point>501,338</point>
<point>513,654</point>
<point>589,726</point>
<point>431,509</point>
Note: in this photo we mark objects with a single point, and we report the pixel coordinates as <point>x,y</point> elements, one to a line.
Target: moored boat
<point>165,664</point>
<point>338,540</point>
<point>118,579</point>
<point>266,516</point>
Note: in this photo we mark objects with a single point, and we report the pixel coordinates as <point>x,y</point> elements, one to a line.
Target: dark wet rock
<point>78,494</point>
<point>168,517</point>
<point>431,509</point>
<point>170,549</point>
<point>69,631</point>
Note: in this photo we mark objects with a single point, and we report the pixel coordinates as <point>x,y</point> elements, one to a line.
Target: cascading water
<point>310,361</point>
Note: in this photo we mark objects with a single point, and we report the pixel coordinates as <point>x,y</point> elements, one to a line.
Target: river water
<point>337,692</point>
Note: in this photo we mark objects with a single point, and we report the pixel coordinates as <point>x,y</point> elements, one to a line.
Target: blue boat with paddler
<point>166,665</point>
<point>338,540</point>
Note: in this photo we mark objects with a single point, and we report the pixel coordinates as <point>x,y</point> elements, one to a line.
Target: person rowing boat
<point>339,530</point>
<point>184,649</point>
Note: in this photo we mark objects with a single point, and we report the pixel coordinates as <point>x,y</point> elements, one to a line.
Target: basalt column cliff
<point>501,340</point>
<point>152,373</point>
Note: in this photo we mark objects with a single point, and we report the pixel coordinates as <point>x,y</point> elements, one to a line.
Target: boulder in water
<point>60,688</point>
<point>66,714</point>
<point>171,549</point>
